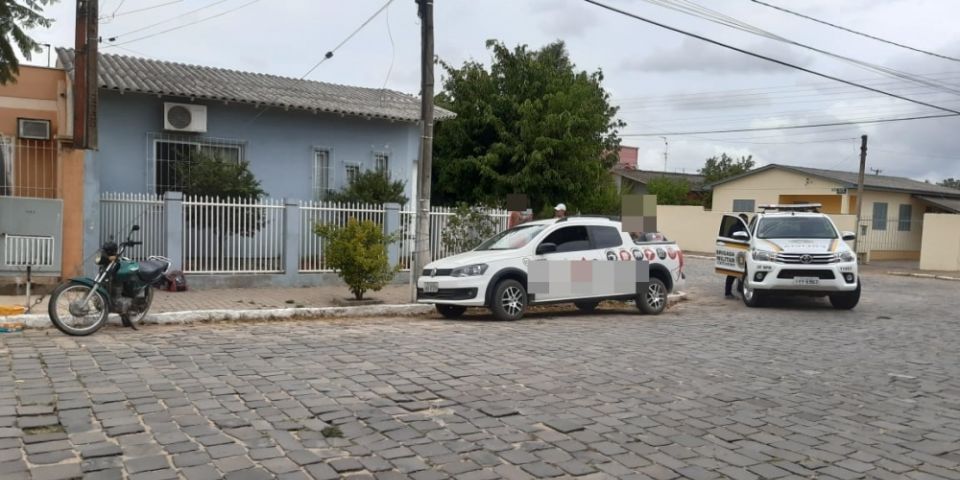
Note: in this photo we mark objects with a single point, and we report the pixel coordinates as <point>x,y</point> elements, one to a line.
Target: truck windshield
<point>796,227</point>
<point>516,237</point>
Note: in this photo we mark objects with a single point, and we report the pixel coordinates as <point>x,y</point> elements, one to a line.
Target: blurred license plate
<point>431,287</point>
<point>806,281</point>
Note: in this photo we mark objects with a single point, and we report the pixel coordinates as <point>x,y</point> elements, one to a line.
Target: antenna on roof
<point>876,171</point>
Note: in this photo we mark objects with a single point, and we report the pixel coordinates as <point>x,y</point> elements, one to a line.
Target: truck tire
<point>752,297</point>
<point>846,300</point>
<point>653,299</point>
<point>509,300</point>
<point>451,311</point>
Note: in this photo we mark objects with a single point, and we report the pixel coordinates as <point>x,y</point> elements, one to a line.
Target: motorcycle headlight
<point>764,256</point>
<point>99,258</point>
<point>847,256</point>
<point>469,270</point>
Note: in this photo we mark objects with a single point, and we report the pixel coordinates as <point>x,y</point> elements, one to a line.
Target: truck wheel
<point>586,307</point>
<point>846,300</point>
<point>451,311</point>
<point>751,296</point>
<point>653,300</point>
<point>509,300</point>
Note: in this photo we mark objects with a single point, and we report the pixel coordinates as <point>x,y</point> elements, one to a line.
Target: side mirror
<point>847,236</point>
<point>741,235</point>
<point>546,248</point>
<point>135,228</point>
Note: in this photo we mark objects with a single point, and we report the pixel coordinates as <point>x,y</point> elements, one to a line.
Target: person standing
<point>728,284</point>
<point>560,211</point>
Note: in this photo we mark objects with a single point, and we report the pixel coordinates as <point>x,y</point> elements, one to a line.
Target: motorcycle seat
<point>151,270</point>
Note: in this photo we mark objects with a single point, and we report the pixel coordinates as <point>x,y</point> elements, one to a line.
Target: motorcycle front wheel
<point>71,315</point>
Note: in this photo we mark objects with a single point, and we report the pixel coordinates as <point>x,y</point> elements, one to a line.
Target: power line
<point>769,59</point>
<point>791,127</point>
<point>144,9</point>
<point>330,53</point>
<point>168,20</point>
<point>867,35</point>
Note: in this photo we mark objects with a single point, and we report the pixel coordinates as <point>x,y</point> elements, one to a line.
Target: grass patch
<point>332,432</point>
<point>44,429</point>
<point>290,302</point>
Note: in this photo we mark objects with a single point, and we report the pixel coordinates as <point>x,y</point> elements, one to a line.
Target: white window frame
<point>347,166</point>
<point>381,156</point>
<point>8,166</point>
<point>321,188</point>
<point>199,143</point>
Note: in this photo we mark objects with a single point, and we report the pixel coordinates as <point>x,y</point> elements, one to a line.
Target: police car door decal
<point>731,254</point>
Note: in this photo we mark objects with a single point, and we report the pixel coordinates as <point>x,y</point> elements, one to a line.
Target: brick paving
<point>709,389</point>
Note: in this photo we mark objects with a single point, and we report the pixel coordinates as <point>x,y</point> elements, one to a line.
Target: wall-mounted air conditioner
<point>184,117</point>
<point>33,129</point>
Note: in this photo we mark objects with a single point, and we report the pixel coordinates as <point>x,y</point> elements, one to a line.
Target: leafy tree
<point>951,182</point>
<point>467,227</point>
<point>669,191</point>
<point>530,123</point>
<point>358,253</point>
<point>719,168</point>
<point>16,16</point>
<point>208,175</point>
<point>371,186</point>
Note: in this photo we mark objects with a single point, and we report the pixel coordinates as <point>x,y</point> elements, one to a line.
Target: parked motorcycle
<point>80,306</point>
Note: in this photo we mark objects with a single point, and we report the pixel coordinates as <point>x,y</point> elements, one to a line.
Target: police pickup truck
<point>788,249</point>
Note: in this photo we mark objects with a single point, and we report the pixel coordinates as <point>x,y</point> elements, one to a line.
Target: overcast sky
<point>663,81</point>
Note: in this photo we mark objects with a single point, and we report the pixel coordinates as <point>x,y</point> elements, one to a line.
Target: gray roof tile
<point>133,74</point>
<point>849,180</point>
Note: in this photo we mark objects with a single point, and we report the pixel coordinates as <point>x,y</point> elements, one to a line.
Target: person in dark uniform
<point>728,284</point>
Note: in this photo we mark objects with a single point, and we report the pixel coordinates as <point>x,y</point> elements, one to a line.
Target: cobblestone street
<point>709,389</point>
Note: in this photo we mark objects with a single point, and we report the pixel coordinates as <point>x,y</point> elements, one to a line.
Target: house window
<point>879,216</point>
<point>172,158</point>
<point>744,205</point>
<point>352,171</point>
<point>381,161</point>
<point>903,223</point>
<point>321,173</point>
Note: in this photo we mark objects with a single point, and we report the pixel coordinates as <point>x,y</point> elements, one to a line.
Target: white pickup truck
<point>495,274</point>
<point>788,249</point>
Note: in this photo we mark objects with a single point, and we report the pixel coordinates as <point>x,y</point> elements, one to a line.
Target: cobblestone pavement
<point>709,389</point>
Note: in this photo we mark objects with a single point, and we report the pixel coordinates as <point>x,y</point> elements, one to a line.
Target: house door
<point>733,243</point>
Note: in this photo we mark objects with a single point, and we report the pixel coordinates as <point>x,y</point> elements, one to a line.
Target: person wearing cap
<point>560,211</point>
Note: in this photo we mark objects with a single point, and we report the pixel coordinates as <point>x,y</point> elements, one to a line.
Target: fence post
<point>291,239</point>
<point>173,223</point>
<point>391,226</point>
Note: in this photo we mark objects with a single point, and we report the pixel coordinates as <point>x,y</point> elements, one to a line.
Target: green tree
<point>951,182</point>
<point>207,175</point>
<point>467,227</point>
<point>719,168</point>
<point>358,253</point>
<point>16,16</point>
<point>371,186</point>
<point>531,123</point>
<point>669,191</point>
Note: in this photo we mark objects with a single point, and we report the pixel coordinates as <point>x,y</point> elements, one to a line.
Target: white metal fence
<point>121,211</point>
<point>439,216</point>
<point>28,251</point>
<point>29,168</point>
<point>325,213</point>
<point>890,235</point>
<point>225,236</point>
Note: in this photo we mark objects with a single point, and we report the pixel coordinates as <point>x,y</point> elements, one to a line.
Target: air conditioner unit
<point>184,117</point>
<point>33,129</point>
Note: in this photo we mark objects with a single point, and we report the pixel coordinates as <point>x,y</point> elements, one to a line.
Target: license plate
<point>806,281</point>
<point>431,287</point>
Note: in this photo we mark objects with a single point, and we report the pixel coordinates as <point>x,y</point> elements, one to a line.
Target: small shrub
<point>467,227</point>
<point>358,253</point>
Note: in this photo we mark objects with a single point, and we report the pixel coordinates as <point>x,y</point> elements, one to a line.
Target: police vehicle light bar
<point>796,207</point>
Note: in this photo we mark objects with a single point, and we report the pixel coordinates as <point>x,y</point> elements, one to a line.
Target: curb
<point>924,275</point>
<point>39,321</point>
<point>699,257</point>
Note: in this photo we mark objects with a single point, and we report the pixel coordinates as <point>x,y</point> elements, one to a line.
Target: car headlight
<point>469,270</point>
<point>847,256</point>
<point>764,255</point>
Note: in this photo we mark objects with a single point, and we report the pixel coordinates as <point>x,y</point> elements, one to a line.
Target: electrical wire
<point>178,27</point>
<point>767,58</point>
<point>144,9</point>
<point>867,35</point>
<point>115,10</point>
<point>790,127</point>
<point>393,57</point>
<point>168,20</point>
<point>330,53</point>
<point>692,8</point>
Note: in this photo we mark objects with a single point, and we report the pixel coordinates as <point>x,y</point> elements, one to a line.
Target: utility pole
<point>863,166</point>
<point>666,147</point>
<point>422,212</point>
<point>85,83</point>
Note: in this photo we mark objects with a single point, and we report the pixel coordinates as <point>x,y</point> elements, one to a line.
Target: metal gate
<point>30,236</point>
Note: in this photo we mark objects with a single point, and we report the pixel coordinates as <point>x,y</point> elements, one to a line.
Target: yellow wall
<point>892,244</point>
<point>941,242</point>
<point>767,187</point>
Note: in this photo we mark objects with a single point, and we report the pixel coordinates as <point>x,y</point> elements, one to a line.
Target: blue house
<point>300,137</point>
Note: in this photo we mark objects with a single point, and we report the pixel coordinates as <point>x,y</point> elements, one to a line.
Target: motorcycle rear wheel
<point>136,317</point>
<point>59,309</point>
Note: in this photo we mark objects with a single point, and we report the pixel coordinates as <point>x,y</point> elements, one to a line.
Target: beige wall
<point>35,94</point>
<point>941,242</point>
<point>892,244</point>
<point>695,229</point>
<point>766,187</point>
